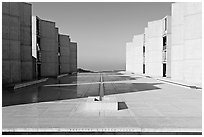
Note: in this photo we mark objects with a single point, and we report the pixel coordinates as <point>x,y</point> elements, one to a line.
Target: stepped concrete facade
<point>172,46</point>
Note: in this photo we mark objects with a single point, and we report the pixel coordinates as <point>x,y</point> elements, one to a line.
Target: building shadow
<point>39,93</point>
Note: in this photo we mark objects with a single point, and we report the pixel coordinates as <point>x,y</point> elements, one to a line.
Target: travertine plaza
<point>170,47</point>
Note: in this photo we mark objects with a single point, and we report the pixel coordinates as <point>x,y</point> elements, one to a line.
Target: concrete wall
<point>73,57</point>
<point>16,42</point>
<point>153,48</point>
<point>138,42</point>
<point>26,41</point>
<point>49,49</point>
<point>65,60</point>
<point>187,42</point>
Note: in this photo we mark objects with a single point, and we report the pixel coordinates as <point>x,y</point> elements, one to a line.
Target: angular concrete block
<point>192,8</point>
<point>177,34</point>
<point>48,44</point>
<point>193,26</point>
<point>47,29</point>
<point>25,14</point>
<point>15,50</point>
<point>177,52</point>
<point>177,13</point>
<point>14,28</point>
<point>65,68</point>
<point>26,70</point>
<point>193,75</point>
<point>5,7</point>
<point>65,59</point>
<point>26,35</point>
<point>177,70</point>
<point>107,104</point>
<point>49,69</point>
<point>65,51</point>
<point>15,71</point>
<point>15,8</point>
<point>5,49</point>
<point>26,54</point>
<point>6,72</point>
<point>50,57</point>
<point>5,26</point>
<point>64,40</point>
<point>193,49</point>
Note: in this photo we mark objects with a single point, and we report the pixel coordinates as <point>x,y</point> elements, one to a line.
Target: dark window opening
<point>165,24</point>
<point>164,42</point>
<point>164,70</point>
<point>143,68</point>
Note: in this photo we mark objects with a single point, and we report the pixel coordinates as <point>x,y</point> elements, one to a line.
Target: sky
<point>101,29</point>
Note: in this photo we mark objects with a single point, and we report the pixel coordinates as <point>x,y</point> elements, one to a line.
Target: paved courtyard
<point>144,105</point>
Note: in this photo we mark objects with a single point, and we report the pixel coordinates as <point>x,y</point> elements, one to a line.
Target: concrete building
<point>73,57</point>
<point>138,43</point>
<point>64,50</point>
<point>45,41</point>
<point>16,42</point>
<point>134,54</point>
<point>157,47</point>
<point>186,63</point>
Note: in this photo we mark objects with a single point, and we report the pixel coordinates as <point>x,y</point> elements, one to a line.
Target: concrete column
<point>26,41</point>
<point>153,49</point>
<point>65,55</point>
<point>73,56</point>
<point>138,53</point>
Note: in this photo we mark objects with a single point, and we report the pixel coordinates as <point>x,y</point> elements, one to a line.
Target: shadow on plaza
<point>121,88</point>
<point>39,93</point>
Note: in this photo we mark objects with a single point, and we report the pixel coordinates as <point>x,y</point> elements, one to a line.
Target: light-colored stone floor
<point>151,106</point>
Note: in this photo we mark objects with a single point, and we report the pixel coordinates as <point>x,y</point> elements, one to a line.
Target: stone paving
<point>145,105</point>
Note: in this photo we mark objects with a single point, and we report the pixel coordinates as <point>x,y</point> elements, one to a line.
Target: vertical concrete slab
<point>65,54</point>
<point>26,41</point>
<point>73,56</point>
<point>138,42</point>
<point>11,43</point>
<point>153,48</point>
<point>49,49</point>
<point>186,42</point>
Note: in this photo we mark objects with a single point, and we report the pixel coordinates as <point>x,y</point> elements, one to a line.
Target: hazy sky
<point>101,29</point>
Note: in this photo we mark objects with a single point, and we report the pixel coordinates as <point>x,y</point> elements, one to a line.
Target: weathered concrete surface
<point>187,42</point>
<point>138,42</point>
<point>49,49</point>
<point>73,56</point>
<point>65,57</point>
<point>153,48</point>
<point>16,34</point>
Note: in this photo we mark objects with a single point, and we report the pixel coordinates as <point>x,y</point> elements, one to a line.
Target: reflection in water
<point>40,93</point>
